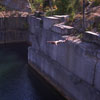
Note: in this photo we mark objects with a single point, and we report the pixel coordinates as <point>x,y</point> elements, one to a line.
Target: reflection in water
<point>16,82</point>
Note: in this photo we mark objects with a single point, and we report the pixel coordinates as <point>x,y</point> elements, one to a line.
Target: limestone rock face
<point>21,5</point>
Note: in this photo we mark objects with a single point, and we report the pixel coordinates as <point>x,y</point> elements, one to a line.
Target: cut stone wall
<point>72,66</point>
<point>13,29</point>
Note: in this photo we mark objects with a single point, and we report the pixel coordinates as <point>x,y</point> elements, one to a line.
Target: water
<point>16,81</point>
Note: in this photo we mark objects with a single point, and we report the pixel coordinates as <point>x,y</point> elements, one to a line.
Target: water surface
<point>16,81</point>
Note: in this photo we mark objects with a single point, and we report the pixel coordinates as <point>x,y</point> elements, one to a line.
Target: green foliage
<point>32,7</point>
<point>38,1</point>
<point>67,6</point>
<point>35,4</point>
<point>72,15</point>
<point>96,2</point>
<point>98,28</point>
<point>93,26</point>
<point>89,28</point>
<point>70,7</point>
<point>80,36</point>
<point>63,6</point>
<point>2,8</point>
<point>50,12</point>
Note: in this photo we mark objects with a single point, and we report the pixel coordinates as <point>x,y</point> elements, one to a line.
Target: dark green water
<point>16,81</point>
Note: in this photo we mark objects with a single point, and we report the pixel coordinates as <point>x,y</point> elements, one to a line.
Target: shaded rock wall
<point>13,29</point>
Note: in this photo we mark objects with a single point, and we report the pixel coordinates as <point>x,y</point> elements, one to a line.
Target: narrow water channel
<point>16,81</point>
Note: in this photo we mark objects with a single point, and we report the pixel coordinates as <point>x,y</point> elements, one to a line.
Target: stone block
<point>32,55</point>
<point>10,36</point>
<point>48,22</point>
<point>62,29</point>
<point>97,76</point>
<point>34,24</point>
<point>47,35</point>
<point>98,54</point>
<point>2,37</point>
<point>63,18</point>
<point>2,25</point>
<point>68,82</point>
<point>76,59</point>
<point>34,42</point>
<point>14,23</point>
<point>91,37</point>
<point>74,56</point>
<point>21,36</point>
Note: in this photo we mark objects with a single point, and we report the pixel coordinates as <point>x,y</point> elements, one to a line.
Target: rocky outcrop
<point>21,5</point>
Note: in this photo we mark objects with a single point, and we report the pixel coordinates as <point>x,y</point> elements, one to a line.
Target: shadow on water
<point>16,81</point>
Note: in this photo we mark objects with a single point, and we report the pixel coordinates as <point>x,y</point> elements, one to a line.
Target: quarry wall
<point>73,67</point>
